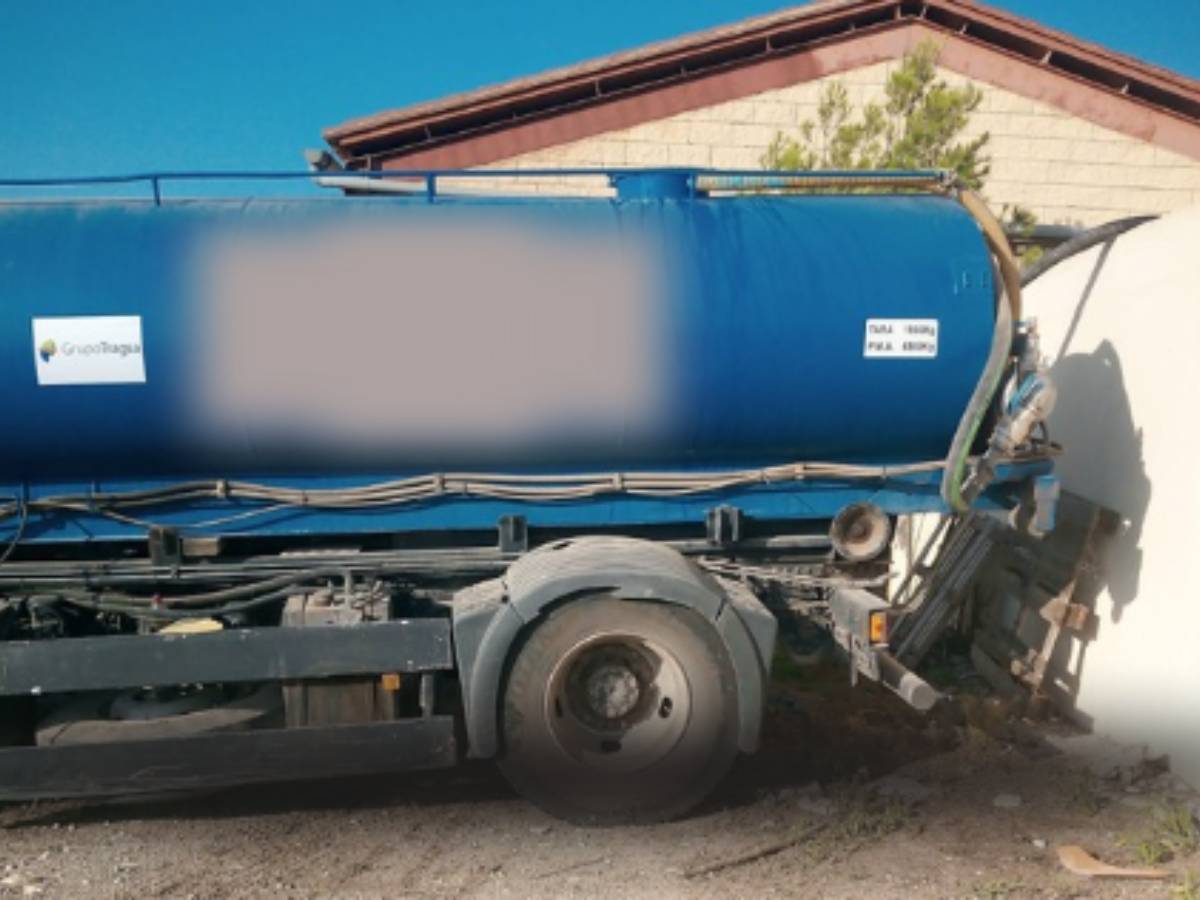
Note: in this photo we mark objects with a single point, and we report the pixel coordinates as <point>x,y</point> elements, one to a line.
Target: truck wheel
<point>619,711</point>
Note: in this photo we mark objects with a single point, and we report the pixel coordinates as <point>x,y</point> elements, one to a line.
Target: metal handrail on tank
<point>696,180</point>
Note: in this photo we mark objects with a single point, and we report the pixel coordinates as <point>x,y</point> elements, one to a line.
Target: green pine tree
<point>918,127</point>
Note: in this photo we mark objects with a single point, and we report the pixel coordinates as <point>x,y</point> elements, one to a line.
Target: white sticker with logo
<point>901,338</point>
<point>89,350</point>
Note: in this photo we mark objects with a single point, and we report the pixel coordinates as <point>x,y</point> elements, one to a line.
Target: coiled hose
<point>1012,280</point>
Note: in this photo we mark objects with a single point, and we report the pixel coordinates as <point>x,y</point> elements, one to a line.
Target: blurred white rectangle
<point>456,332</point>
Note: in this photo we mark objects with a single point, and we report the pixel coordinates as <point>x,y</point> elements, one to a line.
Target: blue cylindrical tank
<point>261,337</point>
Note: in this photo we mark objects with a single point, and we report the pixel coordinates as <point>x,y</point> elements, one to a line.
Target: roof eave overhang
<point>809,42</point>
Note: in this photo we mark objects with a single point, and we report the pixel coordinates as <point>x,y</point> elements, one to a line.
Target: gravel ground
<point>853,795</point>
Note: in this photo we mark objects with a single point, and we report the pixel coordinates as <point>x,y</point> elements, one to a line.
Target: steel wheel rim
<point>617,702</point>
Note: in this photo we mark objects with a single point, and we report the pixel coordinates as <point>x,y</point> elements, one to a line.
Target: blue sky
<point>92,87</point>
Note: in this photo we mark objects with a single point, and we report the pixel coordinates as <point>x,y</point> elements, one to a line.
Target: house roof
<point>788,47</point>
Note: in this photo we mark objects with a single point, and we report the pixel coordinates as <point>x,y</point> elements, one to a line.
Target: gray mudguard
<point>489,617</point>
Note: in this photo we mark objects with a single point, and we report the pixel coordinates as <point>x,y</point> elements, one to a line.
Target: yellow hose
<point>954,476</point>
<point>997,241</point>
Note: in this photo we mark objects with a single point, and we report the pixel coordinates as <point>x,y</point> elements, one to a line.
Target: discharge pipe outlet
<point>905,683</point>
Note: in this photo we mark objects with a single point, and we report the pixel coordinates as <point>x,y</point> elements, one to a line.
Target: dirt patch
<point>852,795</point>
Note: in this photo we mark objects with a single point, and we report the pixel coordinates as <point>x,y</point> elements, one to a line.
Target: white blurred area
<point>454,334</point>
<point>1121,325</point>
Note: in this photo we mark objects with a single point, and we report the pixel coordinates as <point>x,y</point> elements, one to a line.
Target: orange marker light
<point>390,681</point>
<point>878,627</point>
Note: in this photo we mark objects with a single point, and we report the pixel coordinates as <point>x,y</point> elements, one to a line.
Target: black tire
<point>618,711</point>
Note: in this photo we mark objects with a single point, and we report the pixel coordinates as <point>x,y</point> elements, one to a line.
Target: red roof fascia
<point>420,131</point>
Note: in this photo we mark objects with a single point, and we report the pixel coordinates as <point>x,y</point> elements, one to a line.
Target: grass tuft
<point>1171,834</point>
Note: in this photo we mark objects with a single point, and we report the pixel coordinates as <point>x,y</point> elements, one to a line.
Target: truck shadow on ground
<point>818,728</point>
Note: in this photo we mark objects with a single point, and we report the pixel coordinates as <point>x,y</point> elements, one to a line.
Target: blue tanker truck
<point>299,488</point>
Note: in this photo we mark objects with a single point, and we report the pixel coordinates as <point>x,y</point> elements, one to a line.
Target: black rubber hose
<point>214,601</point>
<point>1081,242</point>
